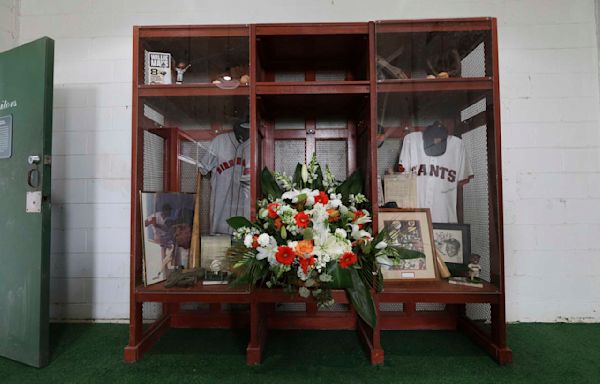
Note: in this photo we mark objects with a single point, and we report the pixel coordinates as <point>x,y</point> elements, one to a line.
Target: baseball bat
<point>194,260</point>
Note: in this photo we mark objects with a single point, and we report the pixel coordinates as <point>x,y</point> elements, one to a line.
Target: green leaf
<point>237,222</point>
<point>308,234</point>
<point>297,179</point>
<point>341,276</point>
<point>403,253</point>
<point>318,182</point>
<point>283,233</point>
<point>353,185</point>
<point>362,300</point>
<point>269,185</point>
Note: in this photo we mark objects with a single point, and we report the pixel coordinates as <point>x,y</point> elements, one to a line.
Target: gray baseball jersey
<point>229,162</point>
<point>437,176</point>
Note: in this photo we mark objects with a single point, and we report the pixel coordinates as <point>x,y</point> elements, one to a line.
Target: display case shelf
<point>435,85</point>
<point>198,293</point>
<point>195,89</point>
<point>438,292</point>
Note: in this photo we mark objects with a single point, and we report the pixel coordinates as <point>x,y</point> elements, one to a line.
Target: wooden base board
<point>135,352</point>
<point>503,355</point>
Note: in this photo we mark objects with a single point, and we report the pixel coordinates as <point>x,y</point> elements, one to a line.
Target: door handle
<point>33,176</point>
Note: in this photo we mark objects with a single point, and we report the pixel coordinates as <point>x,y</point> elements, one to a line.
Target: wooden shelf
<point>313,87</point>
<point>197,89</point>
<point>435,85</point>
<point>439,291</point>
<point>205,293</point>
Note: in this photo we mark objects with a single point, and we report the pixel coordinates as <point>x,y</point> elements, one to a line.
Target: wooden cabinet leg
<point>257,334</point>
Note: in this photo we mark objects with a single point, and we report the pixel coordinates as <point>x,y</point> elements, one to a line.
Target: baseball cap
<point>435,138</point>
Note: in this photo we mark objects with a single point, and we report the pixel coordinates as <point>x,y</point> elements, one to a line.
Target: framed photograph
<point>167,219</point>
<point>453,242</point>
<point>409,229</point>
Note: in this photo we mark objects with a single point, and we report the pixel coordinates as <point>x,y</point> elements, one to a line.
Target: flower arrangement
<point>312,234</point>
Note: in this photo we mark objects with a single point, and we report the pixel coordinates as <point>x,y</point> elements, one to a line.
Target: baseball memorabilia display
<point>453,242</point>
<point>228,159</point>
<point>166,232</point>
<point>408,230</point>
<point>440,162</point>
<point>157,68</point>
<point>401,189</point>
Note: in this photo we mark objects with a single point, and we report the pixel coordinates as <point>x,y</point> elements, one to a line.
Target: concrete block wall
<point>9,27</point>
<point>551,139</point>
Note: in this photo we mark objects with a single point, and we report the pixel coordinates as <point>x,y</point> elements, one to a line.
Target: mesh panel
<point>288,153</point>
<point>473,109</point>
<point>388,155</point>
<point>188,179</point>
<point>330,123</point>
<point>289,123</point>
<point>151,311</point>
<point>154,151</point>
<point>391,307</point>
<point>330,75</point>
<point>336,308</point>
<point>476,209</point>
<point>289,76</point>
<point>473,65</point>
<point>430,307</point>
<point>333,153</point>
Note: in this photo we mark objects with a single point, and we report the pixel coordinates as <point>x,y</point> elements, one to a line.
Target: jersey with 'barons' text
<point>229,161</point>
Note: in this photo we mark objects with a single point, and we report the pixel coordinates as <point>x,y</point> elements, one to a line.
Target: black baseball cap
<point>435,138</point>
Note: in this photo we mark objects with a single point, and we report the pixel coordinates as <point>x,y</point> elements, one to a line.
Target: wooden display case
<point>318,89</point>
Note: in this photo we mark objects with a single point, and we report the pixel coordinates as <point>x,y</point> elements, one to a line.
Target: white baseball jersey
<point>229,162</point>
<point>437,176</point>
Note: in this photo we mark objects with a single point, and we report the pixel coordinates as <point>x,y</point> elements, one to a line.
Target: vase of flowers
<point>312,234</point>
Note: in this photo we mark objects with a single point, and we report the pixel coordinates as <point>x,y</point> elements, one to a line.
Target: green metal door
<point>25,148</point>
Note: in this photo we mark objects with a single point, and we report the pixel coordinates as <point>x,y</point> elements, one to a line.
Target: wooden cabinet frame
<point>362,153</point>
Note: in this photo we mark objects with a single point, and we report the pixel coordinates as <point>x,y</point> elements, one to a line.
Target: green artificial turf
<point>93,353</point>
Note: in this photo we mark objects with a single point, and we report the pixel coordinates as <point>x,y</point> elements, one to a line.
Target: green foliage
<point>237,222</point>
<point>353,185</point>
<point>361,299</point>
<point>247,270</point>
<point>269,186</point>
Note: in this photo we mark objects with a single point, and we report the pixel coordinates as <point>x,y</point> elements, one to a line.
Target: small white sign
<point>407,275</point>
<point>34,202</point>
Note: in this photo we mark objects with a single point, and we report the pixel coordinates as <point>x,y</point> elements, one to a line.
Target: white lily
<point>381,245</point>
<point>358,233</point>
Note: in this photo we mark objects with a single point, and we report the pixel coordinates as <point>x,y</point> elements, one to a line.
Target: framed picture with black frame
<point>453,242</point>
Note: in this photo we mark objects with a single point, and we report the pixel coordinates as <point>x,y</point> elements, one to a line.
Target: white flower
<point>263,240</point>
<point>304,292</point>
<point>381,245</point>
<point>340,232</point>
<point>335,200</point>
<point>248,240</point>
<point>291,195</point>
<point>304,173</point>
<point>358,233</point>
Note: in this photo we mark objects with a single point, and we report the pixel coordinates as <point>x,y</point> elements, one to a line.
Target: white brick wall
<point>551,139</point>
<point>9,28</point>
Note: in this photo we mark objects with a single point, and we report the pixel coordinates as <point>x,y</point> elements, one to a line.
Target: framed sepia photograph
<point>409,229</point>
<point>453,242</point>
<point>167,219</point>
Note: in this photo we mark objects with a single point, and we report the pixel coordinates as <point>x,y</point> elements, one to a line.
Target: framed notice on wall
<point>5,137</point>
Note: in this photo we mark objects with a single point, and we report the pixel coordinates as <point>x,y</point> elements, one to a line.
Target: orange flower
<point>347,259</point>
<point>306,262</point>
<point>334,214</point>
<point>285,255</point>
<point>322,198</point>
<point>278,223</point>
<point>271,208</point>
<point>302,219</point>
<point>304,247</point>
